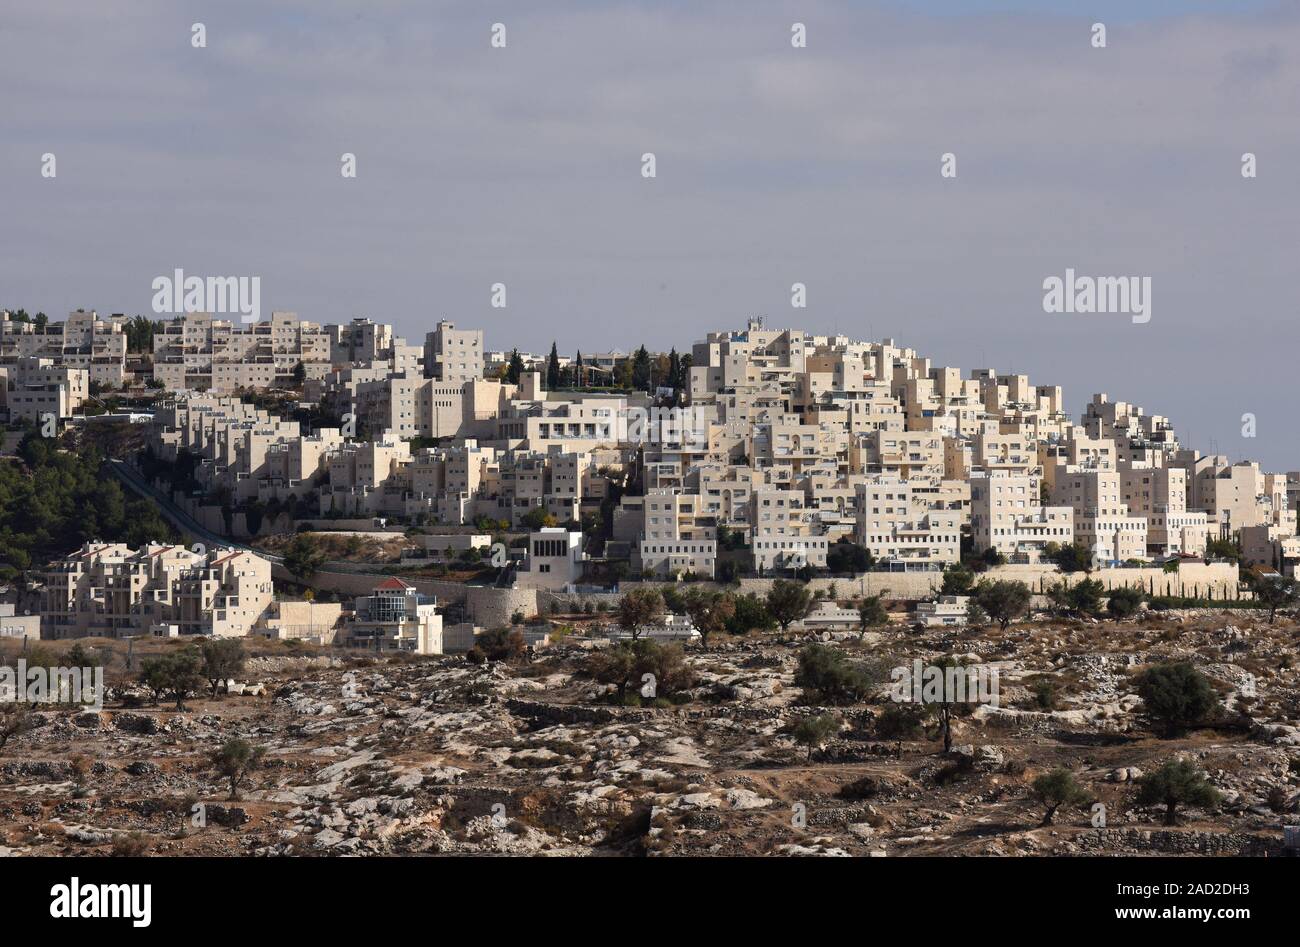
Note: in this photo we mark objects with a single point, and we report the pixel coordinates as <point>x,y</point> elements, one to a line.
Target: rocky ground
<point>442,756</point>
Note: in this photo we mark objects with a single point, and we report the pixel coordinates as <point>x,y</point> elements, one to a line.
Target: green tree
<point>223,659</point>
<point>515,370</point>
<point>614,666</point>
<point>641,369</point>
<point>553,369</point>
<point>1058,788</point>
<point>847,557</point>
<point>953,698</point>
<point>1072,557</point>
<point>501,644</point>
<point>813,732</point>
<point>750,614</point>
<point>153,675</point>
<point>1222,549</point>
<point>303,556</point>
<point>872,614</point>
<point>1176,696</point>
<point>537,518</point>
<point>628,663</point>
<point>788,602</point>
<point>640,609</point>
<point>710,611</point>
<point>182,675</point>
<point>236,758</point>
<point>1083,598</point>
<point>957,580</point>
<point>901,722</point>
<point>1274,592</point>
<point>1004,600</point>
<point>1176,783</point>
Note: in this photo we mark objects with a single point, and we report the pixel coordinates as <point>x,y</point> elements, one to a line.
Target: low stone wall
<point>1174,842</point>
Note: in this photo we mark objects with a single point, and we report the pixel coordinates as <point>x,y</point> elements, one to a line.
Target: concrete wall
<point>1191,580</point>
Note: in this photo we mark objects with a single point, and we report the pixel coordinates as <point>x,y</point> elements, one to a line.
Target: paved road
<point>177,516</point>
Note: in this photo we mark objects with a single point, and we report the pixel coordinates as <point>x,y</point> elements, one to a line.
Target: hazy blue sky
<point>775,165</point>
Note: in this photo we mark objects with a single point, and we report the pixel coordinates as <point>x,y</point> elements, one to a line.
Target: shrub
<point>1124,602</point>
<point>901,722</point>
<point>828,677</point>
<point>1176,696</point>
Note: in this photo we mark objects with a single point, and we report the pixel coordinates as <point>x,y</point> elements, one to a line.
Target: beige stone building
<point>112,591</point>
<point>198,352</point>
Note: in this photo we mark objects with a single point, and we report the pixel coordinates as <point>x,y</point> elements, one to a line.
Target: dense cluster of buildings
<point>775,444</point>
<point>791,441</point>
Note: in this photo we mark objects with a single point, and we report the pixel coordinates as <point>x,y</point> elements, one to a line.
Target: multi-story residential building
<point>453,356</point>
<point>407,405</point>
<point>112,591</point>
<point>367,477</point>
<point>83,341</point>
<point>34,389</point>
<point>1102,520</point>
<point>1006,514</point>
<point>780,535</point>
<point>197,352</point>
<point>677,537</point>
<point>1160,495</point>
<point>899,526</point>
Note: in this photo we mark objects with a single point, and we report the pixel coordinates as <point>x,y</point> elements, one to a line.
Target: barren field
<point>444,756</point>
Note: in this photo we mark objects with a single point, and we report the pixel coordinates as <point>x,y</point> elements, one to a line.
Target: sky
<point>774,165</point>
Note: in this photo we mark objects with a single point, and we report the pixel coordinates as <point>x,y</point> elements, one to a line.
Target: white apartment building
<point>197,352</point>
<point>677,536</point>
<point>1006,515</point>
<point>35,388</point>
<point>1102,520</point>
<point>453,356</point>
<point>83,341</point>
<point>780,536</point>
<point>112,591</point>
<point>896,523</point>
<point>1160,495</point>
